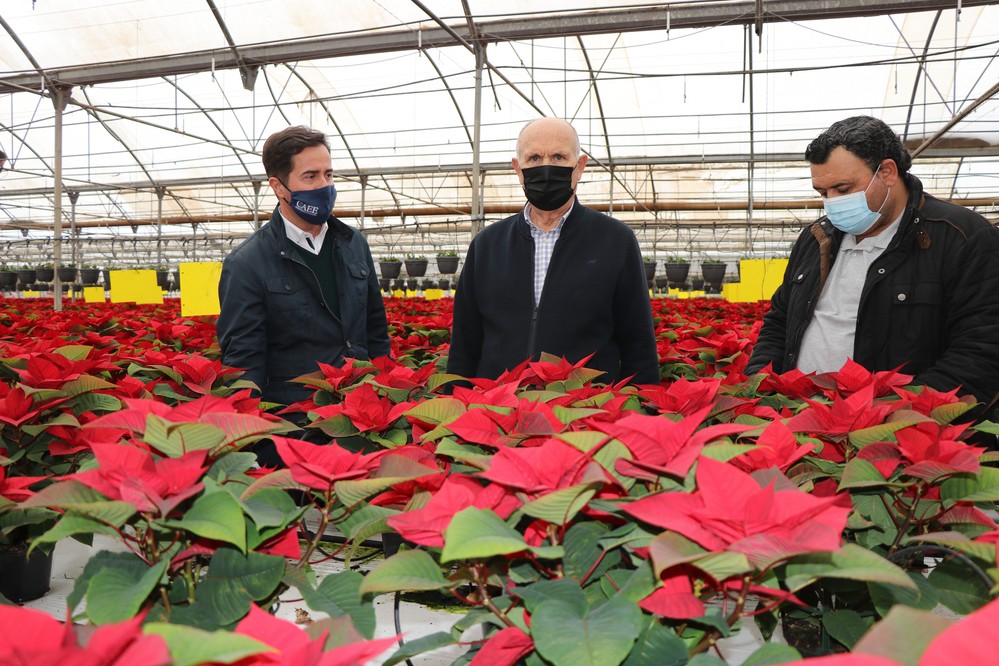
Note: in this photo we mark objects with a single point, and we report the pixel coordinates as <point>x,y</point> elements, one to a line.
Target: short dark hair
<point>868,138</point>
<point>281,147</point>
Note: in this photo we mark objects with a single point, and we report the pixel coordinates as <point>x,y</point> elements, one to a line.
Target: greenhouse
<point>716,450</point>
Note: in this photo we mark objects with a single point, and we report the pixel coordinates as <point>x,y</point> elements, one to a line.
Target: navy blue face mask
<point>313,206</point>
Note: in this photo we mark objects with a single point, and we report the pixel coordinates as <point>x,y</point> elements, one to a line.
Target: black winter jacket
<point>595,299</point>
<point>274,321</point>
<point>930,302</point>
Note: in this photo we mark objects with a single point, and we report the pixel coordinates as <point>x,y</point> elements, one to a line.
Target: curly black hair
<point>868,138</point>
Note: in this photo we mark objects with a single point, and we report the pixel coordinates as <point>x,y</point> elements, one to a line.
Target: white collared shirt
<point>304,239</point>
<point>830,336</point>
<point>544,246</point>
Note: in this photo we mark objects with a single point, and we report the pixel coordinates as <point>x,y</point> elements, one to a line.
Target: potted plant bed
<point>26,277</point>
<point>650,269</point>
<point>447,262</point>
<point>677,270</point>
<point>8,280</point>
<point>90,275</point>
<point>390,268</point>
<point>67,274</point>
<point>416,266</point>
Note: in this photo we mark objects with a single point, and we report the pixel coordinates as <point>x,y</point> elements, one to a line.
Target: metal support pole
<point>364,191</point>
<point>477,221</point>
<point>59,95</point>
<point>160,191</point>
<point>73,231</point>
<point>256,204</point>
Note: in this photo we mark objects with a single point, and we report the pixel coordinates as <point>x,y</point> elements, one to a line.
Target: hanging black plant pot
<point>416,267</point>
<point>650,270</point>
<point>677,272</point>
<point>89,276</point>
<point>8,280</point>
<point>447,264</point>
<point>390,269</point>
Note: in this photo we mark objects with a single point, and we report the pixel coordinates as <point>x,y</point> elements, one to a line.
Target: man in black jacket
<point>557,277</point>
<point>891,276</point>
<point>303,288</point>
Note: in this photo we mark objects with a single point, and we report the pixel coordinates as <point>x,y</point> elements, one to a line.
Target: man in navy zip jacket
<point>303,288</point>
<point>556,277</point>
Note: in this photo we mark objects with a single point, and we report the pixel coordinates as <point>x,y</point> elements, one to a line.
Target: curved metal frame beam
<point>246,72</point>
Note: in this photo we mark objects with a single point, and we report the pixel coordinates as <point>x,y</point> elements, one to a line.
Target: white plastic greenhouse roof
<point>695,114</point>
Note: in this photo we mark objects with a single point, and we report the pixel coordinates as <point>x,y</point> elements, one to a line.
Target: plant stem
<point>482,586</point>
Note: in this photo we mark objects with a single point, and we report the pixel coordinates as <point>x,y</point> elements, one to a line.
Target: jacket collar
<point>275,230</point>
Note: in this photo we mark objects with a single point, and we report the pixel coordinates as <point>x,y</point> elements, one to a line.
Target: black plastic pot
<point>390,269</point>
<point>677,272</point>
<point>384,283</point>
<point>24,577</point>
<point>650,270</point>
<point>26,277</point>
<point>412,284</point>
<point>44,274</point>
<point>416,267</point>
<point>713,273</point>
<point>162,279</point>
<point>89,276</point>
<point>67,274</point>
<point>398,285</point>
<point>8,280</point>
<point>447,264</point>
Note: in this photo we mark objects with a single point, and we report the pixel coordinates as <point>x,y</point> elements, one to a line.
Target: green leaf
<point>722,566</point>
<point>981,487</point>
<point>604,636</point>
<point>339,595</point>
<point>353,492</point>
<point>232,582</point>
<point>272,507</point>
<point>903,635</point>
<point>96,402</point>
<point>885,597</point>
<point>231,465</point>
<point>479,533</point>
<point>406,570</point>
<point>437,411</point>
<point>175,439</point>
<point>583,552</point>
<point>657,646</point>
<point>859,473</point>
<point>117,594</point>
<point>851,562</point>
<point>846,626</point>
<point>563,589</point>
<point>561,506</point>
<point>420,645</point>
<point>71,524</point>
<point>878,433</point>
<point>772,653</point>
<point>73,496</point>
<point>959,589</point>
<point>670,549</point>
<point>190,646</point>
<point>217,516</point>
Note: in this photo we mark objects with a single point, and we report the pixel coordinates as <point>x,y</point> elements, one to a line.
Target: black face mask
<point>548,187</point>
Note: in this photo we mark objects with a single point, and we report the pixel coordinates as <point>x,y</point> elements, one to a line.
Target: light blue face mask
<point>850,213</point>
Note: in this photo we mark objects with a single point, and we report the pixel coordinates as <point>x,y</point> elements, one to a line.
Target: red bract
<point>526,424</point>
<point>16,488</point>
<point>33,638</point>
<point>793,383</point>
<point>932,457</point>
<point>16,408</point>
<point>426,526</point>
<point>52,370</point>
<point>320,467</point>
<point>293,647</point>
<point>853,377</point>
<point>366,410</point>
<point>660,445</point>
<point>729,511</point>
<point>775,447</point>
<point>150,484</point>
<point>504,648</point>
<point>682,396</point>
<point>392,374</point>
<point>539,470</point>
<point>843,416</point>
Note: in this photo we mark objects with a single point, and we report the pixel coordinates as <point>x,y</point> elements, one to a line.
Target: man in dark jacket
<point>303,288</point>
<point>891,276</point>
<point>557,277</point>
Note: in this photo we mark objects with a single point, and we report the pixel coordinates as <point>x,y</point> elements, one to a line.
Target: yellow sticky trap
<point>135,286</point>
<point>94,295</point>
<point>199,294</point>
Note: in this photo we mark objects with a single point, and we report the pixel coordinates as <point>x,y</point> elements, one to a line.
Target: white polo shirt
<point>829,338</point>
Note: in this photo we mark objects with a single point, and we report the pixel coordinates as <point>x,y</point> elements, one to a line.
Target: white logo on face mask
<point>306,208</point>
